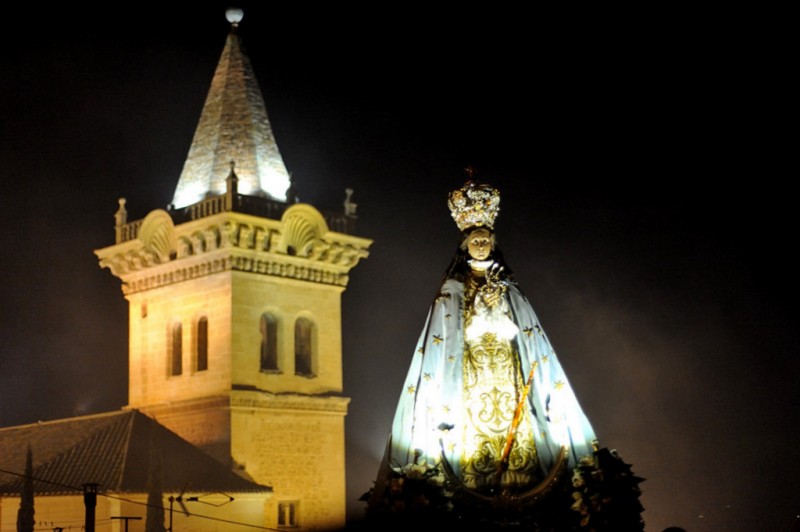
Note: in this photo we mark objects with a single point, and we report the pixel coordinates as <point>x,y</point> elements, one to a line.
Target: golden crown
<point>474,205</point>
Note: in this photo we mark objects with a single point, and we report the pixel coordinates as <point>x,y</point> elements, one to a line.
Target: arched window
<point>176,351</point>
<point>303,347</point>
<point>202,344</point>
<point>269,342</point>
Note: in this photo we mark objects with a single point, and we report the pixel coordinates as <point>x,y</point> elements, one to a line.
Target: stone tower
<point>234,298</point>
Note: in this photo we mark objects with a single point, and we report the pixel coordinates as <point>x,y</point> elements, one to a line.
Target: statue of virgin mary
<point>486,407</point>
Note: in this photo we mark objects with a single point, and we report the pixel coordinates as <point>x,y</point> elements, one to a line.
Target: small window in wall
<point>202,344</point>
<point>176,350</point>
<point>269,342</point>
<point>287,514</point>
<point>303,348</point>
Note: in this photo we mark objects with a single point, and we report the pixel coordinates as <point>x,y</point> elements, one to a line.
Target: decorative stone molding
<point>157,235</point>
<point>187,405</point>
<point>289,401</point>
<point>299,246</point>
<point>176,275</point>
<point>302,227</point>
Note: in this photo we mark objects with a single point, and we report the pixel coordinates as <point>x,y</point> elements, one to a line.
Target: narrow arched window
<point>202,344</point>
<point>303,347</point>
<point>176,350</point>
<point>269,343</point>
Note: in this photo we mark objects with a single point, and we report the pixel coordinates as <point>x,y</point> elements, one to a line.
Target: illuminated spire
<point>234,128</point>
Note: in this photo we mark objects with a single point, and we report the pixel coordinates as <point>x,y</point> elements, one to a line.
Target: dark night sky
<point>645,211</point>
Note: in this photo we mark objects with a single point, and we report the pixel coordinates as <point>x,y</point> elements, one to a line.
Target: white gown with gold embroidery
<point>466,378</point>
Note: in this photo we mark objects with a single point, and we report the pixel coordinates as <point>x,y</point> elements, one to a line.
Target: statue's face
<point>479,244</point>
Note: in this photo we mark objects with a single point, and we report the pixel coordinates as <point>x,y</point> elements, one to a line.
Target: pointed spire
<point>233,127</point>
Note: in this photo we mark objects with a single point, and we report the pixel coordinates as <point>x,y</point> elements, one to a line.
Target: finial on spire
<point>349,206</point>
<point>231,188</point>
<point>232,181</point>
<point>234,16</point>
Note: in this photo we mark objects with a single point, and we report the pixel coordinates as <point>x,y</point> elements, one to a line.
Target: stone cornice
<point>299,246</point>
<point>289,401</point>
<point>187,405</point>
<point>252,399</point>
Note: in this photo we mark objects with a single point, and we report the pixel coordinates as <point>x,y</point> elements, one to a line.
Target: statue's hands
<point>493,273</point>
<point>493,290</point>
<point>491,297</point>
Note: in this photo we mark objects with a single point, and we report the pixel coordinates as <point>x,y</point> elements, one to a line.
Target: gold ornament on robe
<point>498,436</point>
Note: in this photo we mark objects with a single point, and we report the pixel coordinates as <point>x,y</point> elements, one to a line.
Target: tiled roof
<point>116,451</point>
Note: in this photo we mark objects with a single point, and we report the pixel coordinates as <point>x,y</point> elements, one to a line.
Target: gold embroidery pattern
<point>492,384</point>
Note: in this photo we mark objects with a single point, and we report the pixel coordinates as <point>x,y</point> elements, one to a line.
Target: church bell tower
<point>234,296</point>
